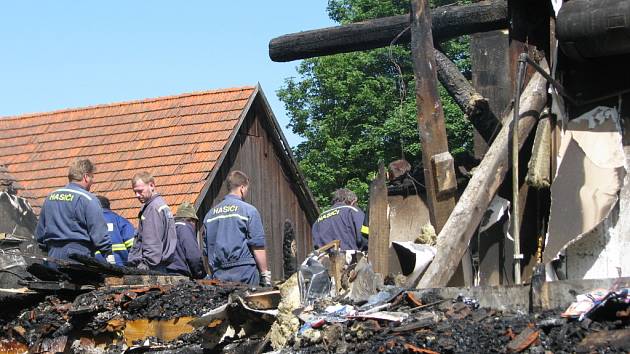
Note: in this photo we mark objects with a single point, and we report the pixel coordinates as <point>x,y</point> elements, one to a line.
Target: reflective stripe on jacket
<point>232,227</point>
<point>121,232</point>
<point>341,222</point>
<point>72,214</point>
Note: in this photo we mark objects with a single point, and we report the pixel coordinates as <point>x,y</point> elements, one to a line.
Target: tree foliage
<point>356,109</point>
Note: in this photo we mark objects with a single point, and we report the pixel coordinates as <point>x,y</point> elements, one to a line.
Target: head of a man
<point>143,185</point>
<point>104,201</point>
<point>81,172</point>
<point>238,183</point>
<point>186,211</point>
<point>345,196</point>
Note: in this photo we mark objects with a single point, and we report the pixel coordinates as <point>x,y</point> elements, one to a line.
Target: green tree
<point>356,109</point>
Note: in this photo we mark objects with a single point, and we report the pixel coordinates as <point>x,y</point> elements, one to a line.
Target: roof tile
<point>177,138</point>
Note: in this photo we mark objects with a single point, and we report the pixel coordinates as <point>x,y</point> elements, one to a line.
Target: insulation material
<point>589,177</point>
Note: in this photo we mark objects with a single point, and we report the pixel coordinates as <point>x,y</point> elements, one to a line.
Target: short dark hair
<point>236,179</point>
<point>104,201</point>
<point>79,168</point>
<point>344,195</point>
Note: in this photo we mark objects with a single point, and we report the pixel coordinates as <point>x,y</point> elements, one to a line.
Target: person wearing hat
<point>187,259</point>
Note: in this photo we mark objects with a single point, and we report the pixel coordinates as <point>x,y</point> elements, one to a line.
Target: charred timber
<point>448,22</point>
<point>474,106</point>
<point>454,238</point>
<point>430,115</point>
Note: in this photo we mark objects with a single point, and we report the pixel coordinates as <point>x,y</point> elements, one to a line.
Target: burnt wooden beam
<point>448,22</point>
<point>439,170</point>
<point>378,242</point>
<point>454,238</point>
<point>475,107</point>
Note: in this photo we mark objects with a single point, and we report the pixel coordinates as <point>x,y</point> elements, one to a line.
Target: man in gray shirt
<point>156,241</point>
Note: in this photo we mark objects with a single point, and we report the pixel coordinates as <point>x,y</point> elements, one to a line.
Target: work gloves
<point>265,278</point>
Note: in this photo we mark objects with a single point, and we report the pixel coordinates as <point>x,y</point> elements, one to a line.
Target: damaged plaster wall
<point>601,253</point>
<point>589,220</point>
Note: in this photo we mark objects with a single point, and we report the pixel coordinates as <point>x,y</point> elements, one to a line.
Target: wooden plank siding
<point>255,151</point>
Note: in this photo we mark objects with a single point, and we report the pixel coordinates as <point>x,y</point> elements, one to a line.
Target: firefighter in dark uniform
<point>71,219</point>
<point>156,240</point>
<point>344,221</point>
<point>187,259</point>
<point>121,232</point>
<point>235,238</point>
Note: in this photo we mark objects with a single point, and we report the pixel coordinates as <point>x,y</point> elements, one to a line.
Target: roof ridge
<point>127,103</point>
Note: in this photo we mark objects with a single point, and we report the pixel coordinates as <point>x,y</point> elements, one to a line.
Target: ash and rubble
<point>373,316</point>
<point>105,311</point>
<point>454,326</point>
<point>365,313</point>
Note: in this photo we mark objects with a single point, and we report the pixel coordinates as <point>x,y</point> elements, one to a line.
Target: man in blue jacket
<point>235,238</point>
<point>121,232</point>
<point>187,259</point>
<point>156,241</point>
<point>344,221</point>
<point>71,219</point>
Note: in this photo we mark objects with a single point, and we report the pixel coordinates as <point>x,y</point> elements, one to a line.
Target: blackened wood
<point>475,107</point>
<point>289,249</point>
<point>378,242</point>
<point>454,238</point>
<point>429,111</point>
<point>605,34</point>
<point>490,64</point>
<point>448,22</point>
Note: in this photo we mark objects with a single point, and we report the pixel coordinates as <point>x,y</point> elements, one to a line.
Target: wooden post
<point>435,155</point>
<point>454,238</point>
<point>378,244</point>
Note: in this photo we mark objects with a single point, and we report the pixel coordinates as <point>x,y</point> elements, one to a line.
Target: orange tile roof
<point>177,138</point>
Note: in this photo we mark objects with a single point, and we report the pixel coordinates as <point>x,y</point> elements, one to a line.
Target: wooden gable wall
<point>272,191</point>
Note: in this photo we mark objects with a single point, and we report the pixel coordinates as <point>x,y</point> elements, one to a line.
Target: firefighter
<point>121,232</point>
<point>344,221</point>
<point>156,240</point>
<point>71,219</point>
<point>235,238</point>
<point>187,259</point>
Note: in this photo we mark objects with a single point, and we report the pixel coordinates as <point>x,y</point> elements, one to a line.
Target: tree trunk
<point>448,22</point>
<point>454,238</point>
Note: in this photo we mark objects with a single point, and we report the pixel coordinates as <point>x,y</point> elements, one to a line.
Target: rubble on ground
<point>457,326</point>
<point>110,314</point>
<point>308,314</point>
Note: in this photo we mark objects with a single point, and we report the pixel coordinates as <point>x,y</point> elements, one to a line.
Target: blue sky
<point>63,54</point>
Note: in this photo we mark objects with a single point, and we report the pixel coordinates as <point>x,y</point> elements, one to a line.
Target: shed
<point>189,142</point>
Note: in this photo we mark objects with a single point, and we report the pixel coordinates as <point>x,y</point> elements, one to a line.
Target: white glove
<point>111,259</point>
<point>265,278</point>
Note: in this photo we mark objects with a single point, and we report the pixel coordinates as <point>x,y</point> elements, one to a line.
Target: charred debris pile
<point>375,316</point>
<point>322,308</point>
<point>461,326</point>
<point>101,316</point>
